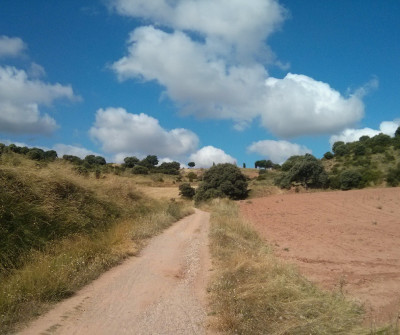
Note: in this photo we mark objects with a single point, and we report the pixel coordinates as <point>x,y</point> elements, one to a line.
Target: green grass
<point>60,230</point>
<point>252,292</point>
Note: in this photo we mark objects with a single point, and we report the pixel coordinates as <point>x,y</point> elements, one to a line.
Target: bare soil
<point>340,240</point>
<point>163,291</point>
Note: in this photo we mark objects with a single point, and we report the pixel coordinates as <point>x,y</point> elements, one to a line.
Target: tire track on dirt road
<point>163,291</point>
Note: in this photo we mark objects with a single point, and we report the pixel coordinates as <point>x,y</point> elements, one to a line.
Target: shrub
<point>350,179</point>
<point>73,159</point>
<point>393,176</point>
<point>171,168</point>
<point>328,155</point>
<point>138,169</point>
<point>222,180</point>
<point>36,154</point>
<point>186,191</point>
<point>191,176</point>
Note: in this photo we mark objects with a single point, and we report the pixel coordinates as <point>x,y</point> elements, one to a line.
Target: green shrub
<point>222,180</point>
<point>350,179</point>
<point>138,169</point>
<point>393,176</point>
<point>328,155</point>
<point>186,191</point>
<point>191,176</point>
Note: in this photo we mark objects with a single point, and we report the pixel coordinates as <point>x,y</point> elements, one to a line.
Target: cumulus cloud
<point>352,135</point>
<point>65,149</point>
<point>213,65</point>
<point>297,105</point>
<point>243,25</point>
<point>123,134</point>
<point>206,156</point>
<point>278,151</point>
<point>20,98</point>
<point>11,46</point>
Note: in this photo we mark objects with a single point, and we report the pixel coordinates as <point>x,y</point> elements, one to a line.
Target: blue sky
<point>206,80</point>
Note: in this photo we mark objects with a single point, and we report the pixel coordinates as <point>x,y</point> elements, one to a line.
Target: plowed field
<point>341,240</point>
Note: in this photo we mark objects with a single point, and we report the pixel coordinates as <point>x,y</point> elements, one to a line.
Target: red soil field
<point>340,240</point>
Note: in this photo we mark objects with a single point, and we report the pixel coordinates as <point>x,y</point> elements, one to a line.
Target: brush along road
<point>160,292</point>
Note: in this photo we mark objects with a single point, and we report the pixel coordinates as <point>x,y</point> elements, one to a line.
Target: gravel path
<point>163,291</point>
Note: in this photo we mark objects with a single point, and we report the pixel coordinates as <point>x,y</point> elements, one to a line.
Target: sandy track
<point>348,240</point>
<point>160,292</point>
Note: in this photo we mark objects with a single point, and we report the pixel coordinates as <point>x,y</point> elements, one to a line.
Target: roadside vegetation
<point>61,228</point>
<point>252,292</point>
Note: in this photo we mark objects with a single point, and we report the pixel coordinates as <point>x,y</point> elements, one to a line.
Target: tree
<point>169,168</point>
<point>73,159</point>
<point>339,148</point>
<point>186,191</point>
<point>244,165</point>
<point>222,180</point>
<point>150,161</point>
<point>130,162</point>
<point>50,155</point>
<point>36,154</point>
<point>191,164</point>
<point>397,133</point>
<point>306,170</point>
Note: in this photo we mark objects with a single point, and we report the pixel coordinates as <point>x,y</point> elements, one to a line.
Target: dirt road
<point>340,240</point>
<point>160,292</point>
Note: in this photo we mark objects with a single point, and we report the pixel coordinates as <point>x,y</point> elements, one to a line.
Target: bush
<point>138,169</point>
<point>36,154</point>
<point>130,162</point>
<point>191,176</point>
<point>393,176</point>
<point>328,155</point>
<point>186,191</point>
<point>350,179</point>
<point>222,180</point>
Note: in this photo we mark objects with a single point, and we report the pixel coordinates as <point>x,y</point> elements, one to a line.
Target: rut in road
<point>163,291</point>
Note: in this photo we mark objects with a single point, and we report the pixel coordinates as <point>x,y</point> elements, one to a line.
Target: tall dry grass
<point>60,230</point>
<point>252,292</point>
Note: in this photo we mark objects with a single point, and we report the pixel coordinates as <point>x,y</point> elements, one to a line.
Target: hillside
<point>60,228</point>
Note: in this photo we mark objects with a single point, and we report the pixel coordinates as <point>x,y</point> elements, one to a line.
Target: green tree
<point>397,133</point>
<point>222,180</point>
<point>328,155</point>
<point>169,168</point>
<point>306,170</point>
<point>36,154</point>
<point>191,164</point>
<point>50,155</point>
<point>73,159</point>
<point>339,148</point>
<point>130,162</point>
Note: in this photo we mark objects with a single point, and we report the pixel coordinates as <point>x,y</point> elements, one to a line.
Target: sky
<point>209,81</point>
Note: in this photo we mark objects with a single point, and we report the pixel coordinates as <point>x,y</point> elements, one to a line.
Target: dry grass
<point>87,225</point>
<point>252,292</point>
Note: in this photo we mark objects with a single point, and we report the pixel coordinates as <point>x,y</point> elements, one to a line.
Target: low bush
<point>186,191</point>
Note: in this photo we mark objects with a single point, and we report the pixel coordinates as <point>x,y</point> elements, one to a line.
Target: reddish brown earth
<point>340,240</point>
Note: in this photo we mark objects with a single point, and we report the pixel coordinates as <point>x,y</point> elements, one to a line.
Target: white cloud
<point>194,77</point>
<point>298,105</point>
<point>206,156</point>
<point>278,151</point>
<point>124,134</point>
<point>65,149</point>
<point>244,25</point>
<point>213,65</point>
<point>352,135</point>
<point>11,46</point>
<point>20,98</point>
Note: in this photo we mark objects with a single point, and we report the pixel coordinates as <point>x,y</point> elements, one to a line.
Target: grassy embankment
<point>60,230</point>
<point>252,292</point>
